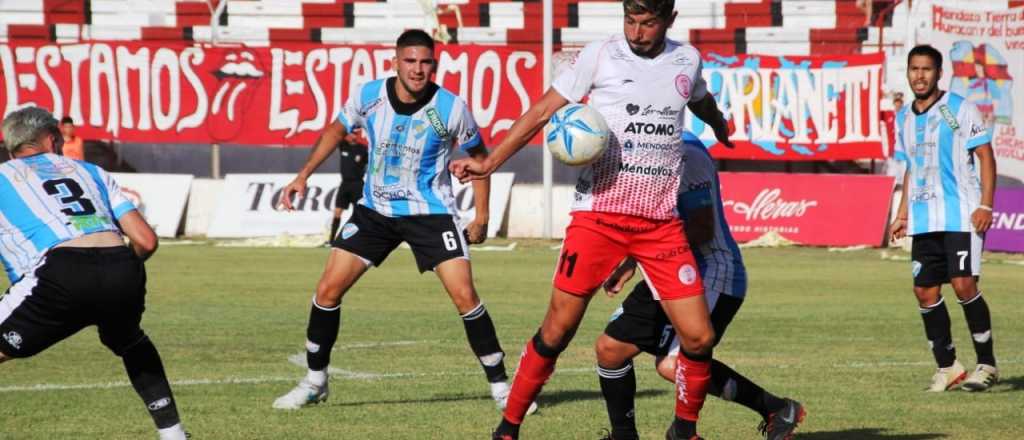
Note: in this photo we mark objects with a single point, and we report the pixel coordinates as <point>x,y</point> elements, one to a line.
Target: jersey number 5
<point>70,195</point>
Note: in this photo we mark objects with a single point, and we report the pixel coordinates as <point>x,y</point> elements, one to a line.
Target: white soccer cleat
<point>948,378</point>
<point>501,399</point>
<point>304,394</point>
<point>983,377</point>
<point>175,432</point>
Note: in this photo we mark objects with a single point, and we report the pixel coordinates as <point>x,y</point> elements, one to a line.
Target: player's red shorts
<point>596,242</point>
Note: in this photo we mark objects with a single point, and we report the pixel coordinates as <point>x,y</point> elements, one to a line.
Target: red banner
<point>284,95</point>
<point>811,209</point>
<point>797,107</point>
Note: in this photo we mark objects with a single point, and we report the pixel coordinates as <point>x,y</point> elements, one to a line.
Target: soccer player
<point>640,325</point>
<point>625,203</point>
<point>412,125</point>
<point>352,151</point>
<point>74,147</point>
<point>946,209</point>
<point>61,226</point>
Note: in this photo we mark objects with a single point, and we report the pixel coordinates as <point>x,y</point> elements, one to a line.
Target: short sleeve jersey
<point>48,199</point>
<point>719,259</point>
<point>409,147</point>
<point>643,100</point>
<point>937,144</point>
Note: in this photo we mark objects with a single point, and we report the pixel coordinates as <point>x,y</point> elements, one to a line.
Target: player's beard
<point>933,90</point>
<point>654,50</point>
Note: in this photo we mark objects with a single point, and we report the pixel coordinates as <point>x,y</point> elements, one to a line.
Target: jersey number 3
<point>70,195</point>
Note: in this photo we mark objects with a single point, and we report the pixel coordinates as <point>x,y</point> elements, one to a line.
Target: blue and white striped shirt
<point>48,199</point>
<point>719,259</point>
<point>407,171</point>
<point>944,187</point>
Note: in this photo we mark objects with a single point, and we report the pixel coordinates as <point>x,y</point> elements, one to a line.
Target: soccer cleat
<point>671,434</point>
<point>501,399</point>
<point>983,377</point>
<point>175,436</point>
<point>304,394</point>
<point>496,436</point>
<point>948,378</point>
<point>781,424</point>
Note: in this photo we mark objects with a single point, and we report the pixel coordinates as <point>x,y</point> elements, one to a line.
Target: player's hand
<point>476,231</point>
<point>898,228</point>
<point>469,169</point>
<point>722,134</point>
<point>982,220</point>
<point>298,185</point>
<point>620,277</point>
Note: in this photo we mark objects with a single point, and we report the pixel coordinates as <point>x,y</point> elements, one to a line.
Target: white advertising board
<point>159,197</point>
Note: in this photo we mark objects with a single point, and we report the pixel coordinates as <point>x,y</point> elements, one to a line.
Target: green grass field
<point>838,331</point>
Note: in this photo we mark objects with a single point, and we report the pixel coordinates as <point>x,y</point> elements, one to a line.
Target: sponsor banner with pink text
<point>810,209</point>
<point>1007,232</point>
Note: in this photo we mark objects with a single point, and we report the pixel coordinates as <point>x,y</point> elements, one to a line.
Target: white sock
<point>318,378</point>
<point>500,389</point>
<point>175,432</point>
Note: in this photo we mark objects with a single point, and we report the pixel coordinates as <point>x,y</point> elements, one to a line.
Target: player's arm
<point>707,110</point>
<point>524,129</point>
<point>142,239</point>
<point>323,148</point>
<point>620,277</point>
<point>899,225</point>
<point>477,230</point>
<point>982,217</point>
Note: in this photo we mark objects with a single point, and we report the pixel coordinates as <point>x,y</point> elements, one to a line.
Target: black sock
<point>146,372</point>
<point>335,223</point>
<point>321,333</point>
<point>936,329</point>
<point>484,342</point>
<point>980,323</point>
<point>684,429</point>
<point>729,385</point>
<point>618,385</point>
<point>508,428</point>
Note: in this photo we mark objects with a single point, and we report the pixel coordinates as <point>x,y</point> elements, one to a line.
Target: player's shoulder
<point>682,48</point>
<point>443,94</point>
<point>601,47</point>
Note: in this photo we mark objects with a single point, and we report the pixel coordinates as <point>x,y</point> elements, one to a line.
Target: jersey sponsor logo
<point>699,185</point>
<point>624,227</point>
<point>921,195</point>
<point>435,121</point>
<point>645,128</point>
<point>159,404</point>
<point>12,337</point>
<point>392,194</point>
<point>629,146</point>
<point>347,232</point>
<point>683,85</point>
<point>674,252</point>
<point>948,116</point>
<point>650,170</point>
<point>370,107</point>
<point>632,109</point>
<point>976,130</point>
<point>769,204</point>
<point>687,274</point>
<point>665,112</point>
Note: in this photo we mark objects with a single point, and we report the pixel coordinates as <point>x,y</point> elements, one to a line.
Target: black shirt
<point>353,162</point>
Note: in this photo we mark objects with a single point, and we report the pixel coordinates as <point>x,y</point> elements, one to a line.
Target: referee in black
<point>352,150</point>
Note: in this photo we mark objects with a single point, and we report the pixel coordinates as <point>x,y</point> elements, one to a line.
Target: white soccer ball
<point>576,134</point>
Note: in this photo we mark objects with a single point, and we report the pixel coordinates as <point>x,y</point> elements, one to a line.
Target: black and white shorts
<point>348,194</point>
<point>70,289</point>
<point>642,322</point>
<point>939,256</point>
<point>434,239</point>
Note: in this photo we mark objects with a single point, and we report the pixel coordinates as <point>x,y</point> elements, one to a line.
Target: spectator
<point>73,144</point>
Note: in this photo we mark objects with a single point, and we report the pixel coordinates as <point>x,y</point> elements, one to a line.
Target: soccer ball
<point>576,134</point>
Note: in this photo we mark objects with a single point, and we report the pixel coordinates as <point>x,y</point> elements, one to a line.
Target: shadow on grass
<point>864,434</point>
<point>1015,384</point>
<point>559,397</point>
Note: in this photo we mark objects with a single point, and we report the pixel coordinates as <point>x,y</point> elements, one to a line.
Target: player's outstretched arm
<point>141,237</point>
<point>325,145</point>
<point>707,110</point>
<point>524,129</point>
<point>477,230</point>
<point>982,217</point>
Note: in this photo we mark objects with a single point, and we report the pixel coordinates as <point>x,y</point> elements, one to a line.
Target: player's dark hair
<point>928,51</point>
<point>67,120</point>
<point>660,8</point>
<point>415,37</point>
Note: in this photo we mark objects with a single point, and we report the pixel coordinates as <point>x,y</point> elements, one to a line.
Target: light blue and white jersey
<point>719,259</point>
<point>944,187</point>
<point>410,146</point>
<point>48,199</point>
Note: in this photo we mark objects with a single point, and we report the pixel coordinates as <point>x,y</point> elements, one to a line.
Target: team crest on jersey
<point>948,116</point>
<point>12,337</point>
<point>435,122</point>
<point>348,231</point>
<point>419,128</point>
<point>687,274</point>
<point>683,85</point>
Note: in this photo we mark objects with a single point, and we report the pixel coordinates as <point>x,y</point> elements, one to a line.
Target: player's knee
<point>465,299</point>
<point>608,352</point>
<point>700,343</point>
<point>965,287</point>
<point>328,295</point>
<point>926,296</point>
<point>547,347</point>
<point>666,366</point>
<point>120,342</point>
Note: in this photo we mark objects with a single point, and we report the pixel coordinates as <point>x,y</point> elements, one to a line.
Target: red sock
<point>692,379</point>
<point>534,370</point>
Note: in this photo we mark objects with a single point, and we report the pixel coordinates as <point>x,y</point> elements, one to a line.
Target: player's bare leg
<point>457,277</point>
<point>565,311</point>
<point>979,322</point>
<point>937,329</point>
<point>690,318</point>
<point>342,270</point>
<point>618,384</point>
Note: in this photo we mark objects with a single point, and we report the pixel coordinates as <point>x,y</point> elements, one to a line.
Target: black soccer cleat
<point>503,436</point>
<point>781,424</point>
<point>671,435</point>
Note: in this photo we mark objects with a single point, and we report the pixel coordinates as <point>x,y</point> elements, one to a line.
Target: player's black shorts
<point>348,194</point>
<point>938,256</point>
<point>71,289</point>
<point>434,239</point>
<point>641,321</point>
